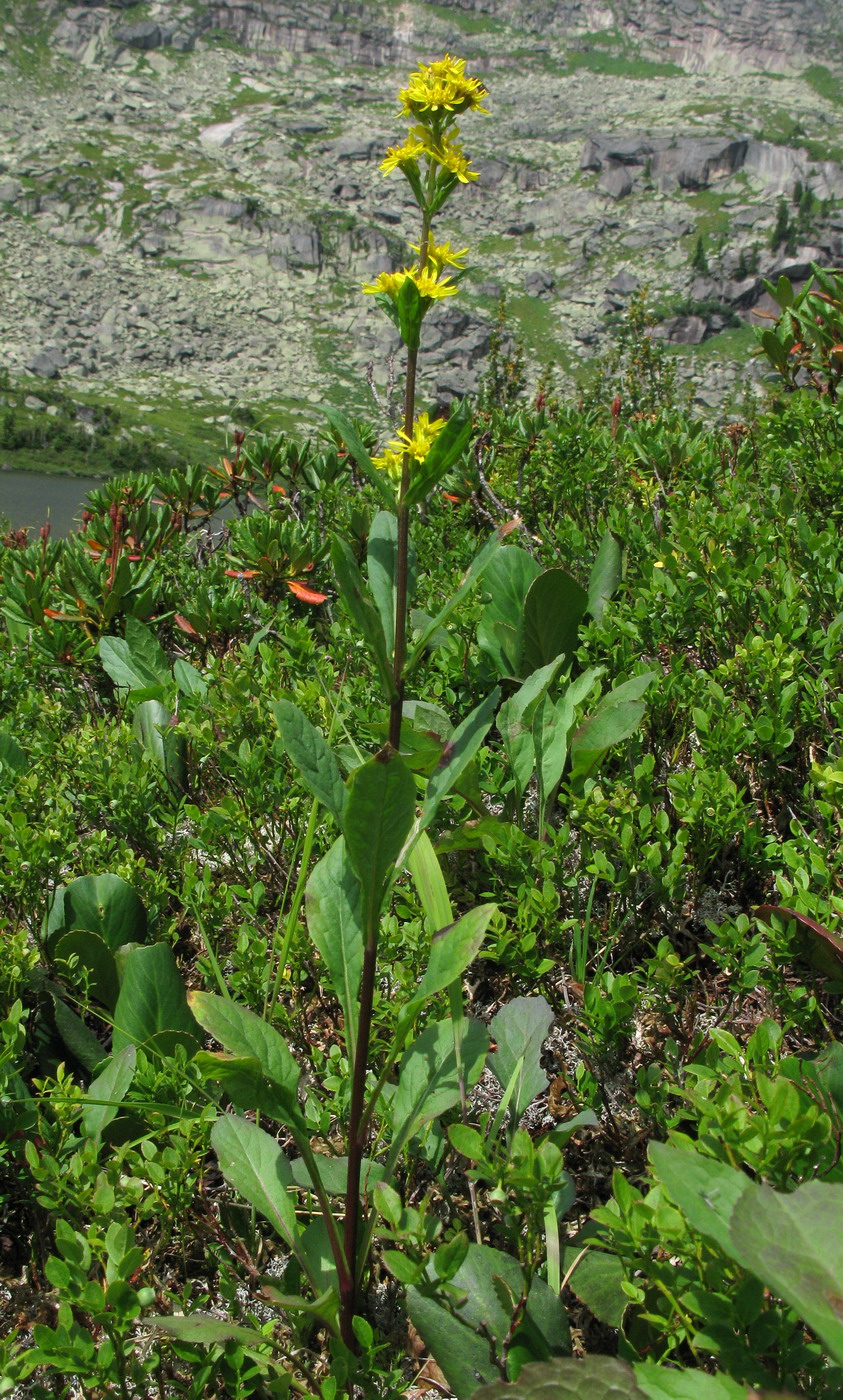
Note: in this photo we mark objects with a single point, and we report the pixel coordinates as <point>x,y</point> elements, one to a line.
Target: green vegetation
<point>601,60</point>
<point>674,909</point>
<point>825,83</point>
<point>422,888</point>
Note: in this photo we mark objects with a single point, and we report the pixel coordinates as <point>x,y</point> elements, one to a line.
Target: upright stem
<point>357,1133</point>
<point>400,653</point>
<point>358,1119</point>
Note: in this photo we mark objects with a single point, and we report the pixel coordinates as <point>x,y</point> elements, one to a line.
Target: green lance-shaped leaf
<point>152,1008</point>
<point>106,1093</point>
<point>428,1076</point>
<point>188,679</point>
<point>447,449</point>
<point>500,631</point>
<point>248,1037</point>
<point>334,905</point>
<point>152,727</point>
<point>452,950</point>
<point>378,815</point>
<point>136,661</point>
<point>553,610</point>
<point>476,570</point>
<point>552,725</point>
<point>519,1030</point>
<point>515,721</point>
<point>411,311</point>
<point>362,611</point>
<point>349,435</point>
<point>458,753</point>
<point>382,563</point>
<point>426,872</point>
<point>617,716</point>
<point>606,574</point>
<point>253,1163</point>
<point>200,1329</point>
<point>307,748</point>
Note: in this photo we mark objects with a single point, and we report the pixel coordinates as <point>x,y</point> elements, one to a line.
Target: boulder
<point>623,283</point>
<point>681,330</point>
<point>616,181</point>
<point>539,284</point>
<point>144,35</point>
<point>47,362</point>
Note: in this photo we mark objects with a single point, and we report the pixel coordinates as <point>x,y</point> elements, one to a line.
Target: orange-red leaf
<point>185,626</point>
<point>307,595</point>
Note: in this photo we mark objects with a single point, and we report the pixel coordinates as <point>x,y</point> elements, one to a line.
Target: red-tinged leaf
<point>228,466</point>
<point>242,573</point>
<point>824,946</point>
<point>58,616</point>
<point>446,496</point>
<point>185,626</point>
<point>307,595</point>
<point>278,488</point>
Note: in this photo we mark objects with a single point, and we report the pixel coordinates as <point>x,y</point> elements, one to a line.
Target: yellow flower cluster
<point>439,256</point>
<point>425,433</point>
<point>444,149</point>
<point>430,285</point>
<point>442,87</point>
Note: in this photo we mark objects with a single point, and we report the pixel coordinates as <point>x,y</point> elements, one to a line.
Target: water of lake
<point>27,498</point>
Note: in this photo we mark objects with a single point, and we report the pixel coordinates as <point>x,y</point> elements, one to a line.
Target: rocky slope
<point>190,199</point>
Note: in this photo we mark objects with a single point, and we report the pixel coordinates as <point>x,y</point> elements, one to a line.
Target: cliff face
<point>200,182</point>
<point>776,35</point>
<point>735,35</point>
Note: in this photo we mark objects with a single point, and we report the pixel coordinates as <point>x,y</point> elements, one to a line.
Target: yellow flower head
<point>399,156</point>
<point>439,255</point>
<point>442,87</point>
<point>447,152</point>
<point>428,282</point>
<point>418,444</point>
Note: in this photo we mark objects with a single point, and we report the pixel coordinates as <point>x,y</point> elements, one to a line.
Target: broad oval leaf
<point>152,1008</point>
<point>553,610</point>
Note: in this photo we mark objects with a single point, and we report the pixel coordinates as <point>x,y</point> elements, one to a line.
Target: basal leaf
<point>153,1003</point>
<point>519,1030</point>
<point>553,610</point>
<point>428,1075</point>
